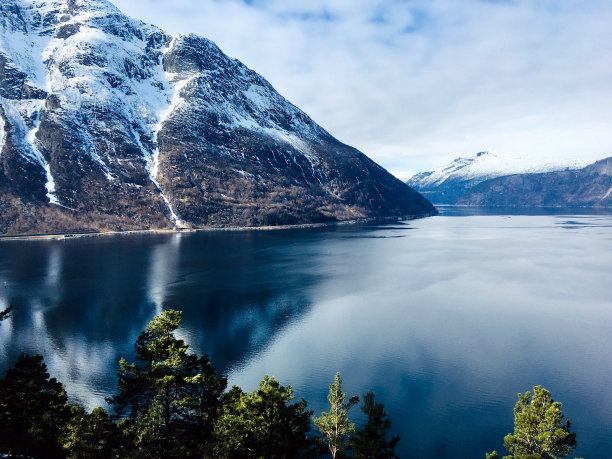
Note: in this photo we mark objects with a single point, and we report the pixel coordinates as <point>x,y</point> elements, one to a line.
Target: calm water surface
<point>445,318</point>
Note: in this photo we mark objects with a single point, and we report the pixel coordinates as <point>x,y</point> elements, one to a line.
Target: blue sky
<point>416,83</point>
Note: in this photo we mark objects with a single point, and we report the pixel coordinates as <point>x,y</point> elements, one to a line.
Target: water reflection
<point>445,318</point>
<point>82,303</point>
<point>162,269</point>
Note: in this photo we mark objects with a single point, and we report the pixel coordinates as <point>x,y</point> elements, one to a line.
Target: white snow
<point>50,185</point>
<point>165,105</point>
<point>256,95</point>
<point>38,156</point>
<point>16,111</point>
<point>2,134</point>
<point>252,107</point>
<point>60,67</point>
<point>245,174</point>
<point>173,94</point>
<point>174,217</point>
<point>487,165</point>
<point>245,121</point>
<point>118,75</point>
<point>152,166</point>
<point>25,51</point>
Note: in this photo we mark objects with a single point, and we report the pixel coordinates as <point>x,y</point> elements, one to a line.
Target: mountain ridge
<point>590,186</point>
<point>109,123</point>
<point>446,184</point>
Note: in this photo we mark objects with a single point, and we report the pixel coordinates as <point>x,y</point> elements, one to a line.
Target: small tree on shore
<point>540,432</point>
<point>335,425</point>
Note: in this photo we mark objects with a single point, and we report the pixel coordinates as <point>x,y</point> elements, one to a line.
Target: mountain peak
<point>110,123</point>
<point>447,183</point>
<point>485,165</point>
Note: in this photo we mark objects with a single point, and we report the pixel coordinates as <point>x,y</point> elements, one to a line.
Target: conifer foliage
<point>33,410</point>
<point>170,403</point>
<point>335,425</point>
<point>540,432</point>
<point>92,435</point>
<point>263,423</point>
<point>170,396</point>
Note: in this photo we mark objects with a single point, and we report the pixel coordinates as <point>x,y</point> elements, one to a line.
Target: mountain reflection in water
<point>445,318</point>
<point>82,303</point>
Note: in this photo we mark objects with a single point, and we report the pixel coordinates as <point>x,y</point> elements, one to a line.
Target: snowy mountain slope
<point>107,123</point>
<point>88,82</point>
<point>485,165</point>
<point>590,186</point>
<point>445,184</point>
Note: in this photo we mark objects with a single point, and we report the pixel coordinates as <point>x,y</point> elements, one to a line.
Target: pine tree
<point>33,410</point>
<point>335,426</point>
<point>92,435</point>
<point>539,429</point>
<point>263,423</point>
<point>170,395</point>
<point>371,441</point>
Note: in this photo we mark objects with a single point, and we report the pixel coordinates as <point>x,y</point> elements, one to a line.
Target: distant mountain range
<point>489,180</point>
<point>108,123</point>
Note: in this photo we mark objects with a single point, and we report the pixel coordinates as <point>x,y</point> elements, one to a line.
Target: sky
<point>416,83</point>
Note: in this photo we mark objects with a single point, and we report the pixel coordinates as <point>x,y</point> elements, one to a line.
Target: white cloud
<point>414,84</point>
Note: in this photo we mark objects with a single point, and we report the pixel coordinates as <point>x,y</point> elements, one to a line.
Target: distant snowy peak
<point>484,166</point>
<point>448,184</point>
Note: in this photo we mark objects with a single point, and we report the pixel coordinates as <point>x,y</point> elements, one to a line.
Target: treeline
<point>171,403</point>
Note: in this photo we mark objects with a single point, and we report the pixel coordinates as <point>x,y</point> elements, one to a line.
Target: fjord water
<point>444,318</point>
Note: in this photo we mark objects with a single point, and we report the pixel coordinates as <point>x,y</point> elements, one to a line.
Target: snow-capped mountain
<point>445,184</point>
<point>108,123</point>
<point>590,186</point>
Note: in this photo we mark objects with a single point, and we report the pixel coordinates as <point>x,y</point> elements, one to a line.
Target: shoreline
<point>175,230</point>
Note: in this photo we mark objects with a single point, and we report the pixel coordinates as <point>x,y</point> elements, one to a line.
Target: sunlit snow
<point>487,165</point>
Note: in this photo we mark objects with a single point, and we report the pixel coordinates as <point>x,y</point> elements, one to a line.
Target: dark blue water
<point>445,318</point>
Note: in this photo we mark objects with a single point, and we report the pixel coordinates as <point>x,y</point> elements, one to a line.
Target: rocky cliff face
<point>587,187</point>
<point>110,123</point>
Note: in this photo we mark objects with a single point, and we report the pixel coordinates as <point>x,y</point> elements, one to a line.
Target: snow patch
<point>31,138</point>
<point>175,98</point>
<point>244,174</point>
<point>249,123</point>
<point>486,166</point>
<point>152,167</point>
<point>16,111</point>
<point>2,135</point>
<point>257,97</point>
<point>25,50</point>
